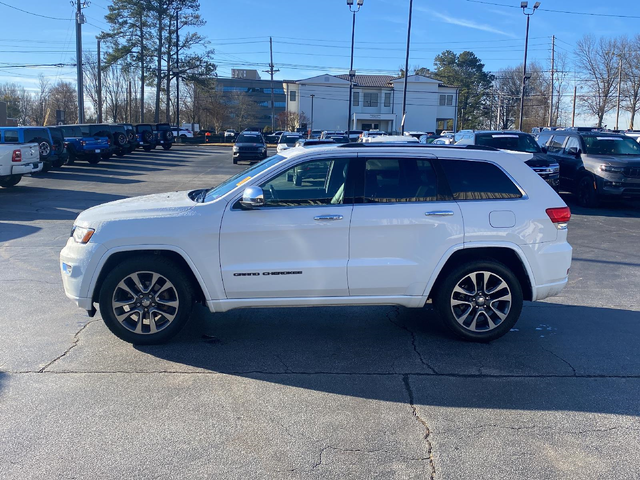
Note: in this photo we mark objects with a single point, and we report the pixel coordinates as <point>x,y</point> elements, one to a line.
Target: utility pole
<point>406,72</point>
<point>352,73</point>
<point>573,113</point>
<point>525,6</point>
<point>178,73</point>
<point>79,21</point>
<point>99,84</point>
<point>311,130</point>
<point>130,116</point>
<point>619,85</point>
<point>271,71</point>
<point>141,71</point>
<point>553,51</point>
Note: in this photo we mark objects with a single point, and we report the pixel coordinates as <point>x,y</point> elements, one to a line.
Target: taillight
<point>108,141</point>
<point>83,142</point>
<point>559,214</point>
<point>17,156</point>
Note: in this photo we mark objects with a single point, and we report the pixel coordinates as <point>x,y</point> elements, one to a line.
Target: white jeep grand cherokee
<point>472,229</point>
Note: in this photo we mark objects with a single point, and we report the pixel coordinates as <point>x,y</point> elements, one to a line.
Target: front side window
<point>356,99</point>
<point>292,96</point>
<point>11,136</point>
<point>573,142</point>
<point>313,183</point>
<point>470,180</point>
<point>370,100</point>
<point>399,180</point>
<point>387,99</point>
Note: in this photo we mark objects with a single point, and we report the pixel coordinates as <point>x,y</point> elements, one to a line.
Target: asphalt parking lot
<point>376,392</point>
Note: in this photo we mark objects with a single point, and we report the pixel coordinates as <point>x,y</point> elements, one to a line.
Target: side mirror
<point>544,149</point>
<point>573,151</point>
<point>252,197</point>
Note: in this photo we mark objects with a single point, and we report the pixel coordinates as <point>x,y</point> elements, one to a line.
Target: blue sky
<point>313,36</point>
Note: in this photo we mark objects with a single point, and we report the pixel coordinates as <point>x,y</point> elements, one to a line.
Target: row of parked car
<point>27,150</point>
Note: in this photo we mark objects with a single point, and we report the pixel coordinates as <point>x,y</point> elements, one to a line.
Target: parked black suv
<point>249,146</point>
<point>131,136</point>
<point>164,135</point>
<point>595,164</point>
<point>517,141</point>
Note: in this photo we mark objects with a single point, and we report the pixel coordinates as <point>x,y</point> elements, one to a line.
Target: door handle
<point>328,217</point>
<point>439,213</point>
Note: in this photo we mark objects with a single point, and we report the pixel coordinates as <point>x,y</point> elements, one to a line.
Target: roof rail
<point>416,145</point>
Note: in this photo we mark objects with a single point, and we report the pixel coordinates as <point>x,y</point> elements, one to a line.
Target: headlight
<point>611,169</point>
<point>235,148</point>
<point>81,234</point>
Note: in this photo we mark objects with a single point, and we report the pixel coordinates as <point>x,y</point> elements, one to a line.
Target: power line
<point>34,14</point>
<point>566,12</point>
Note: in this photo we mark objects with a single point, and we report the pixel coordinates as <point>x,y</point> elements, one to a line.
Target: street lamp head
<point>536,5</point>
<point>350,3</point>
<point>524,4</point>
<point>360,2</point>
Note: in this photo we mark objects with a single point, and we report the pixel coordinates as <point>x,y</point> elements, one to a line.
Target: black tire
<point>106,156</point>
<point>235,161</point>
<point>94,159</point>
<point>120,154</point>
<point>44,146</point>
<point>180,290</point>
<point>147,148</point>
<point>119,139</point>
<point>166,146</point>
<point>58,163</point>
<point>10,181</point>
<point>46,166</point>
<point>71,159</point>
<point>147,136</point>
<point>444,301</point>
<point>168,135</point>
<point>586,192</point>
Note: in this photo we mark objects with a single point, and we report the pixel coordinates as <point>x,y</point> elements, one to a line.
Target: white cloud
<point>466,23</point>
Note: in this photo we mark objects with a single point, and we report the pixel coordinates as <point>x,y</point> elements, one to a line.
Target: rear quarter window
<point>33,133</point>
<point>11,136</point>
<point>474,180</point>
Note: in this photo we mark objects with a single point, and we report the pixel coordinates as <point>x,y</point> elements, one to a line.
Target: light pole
<point>311,132</point>
<point>406,71</point>
<point>351,72</point>
<point>619,85</point>
<point>525,6</point>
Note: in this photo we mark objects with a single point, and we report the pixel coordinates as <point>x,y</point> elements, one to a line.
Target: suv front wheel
<point>146,300</point>
<point>479,301</point>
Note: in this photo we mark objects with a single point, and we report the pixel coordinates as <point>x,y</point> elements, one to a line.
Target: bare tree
<point>40,110</point>
<point>115,93</point>
<point>631,78</point>
<point>291,120</point>
<point>63,96</point>
<point>598,59</point>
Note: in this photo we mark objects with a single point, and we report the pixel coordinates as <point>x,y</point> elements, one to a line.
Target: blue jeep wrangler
<point>83,147</point>
<point>146,136</point>
<point>39,135</point>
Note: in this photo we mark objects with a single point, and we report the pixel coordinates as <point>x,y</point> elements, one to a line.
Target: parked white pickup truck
<point>16,161</point>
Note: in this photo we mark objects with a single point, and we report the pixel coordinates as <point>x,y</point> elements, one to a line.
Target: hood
<point>540,160</point>
<point>620,161</point>
<point>148,206</point>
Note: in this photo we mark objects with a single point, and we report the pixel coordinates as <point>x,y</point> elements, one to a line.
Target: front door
<point>402,225</point>
<point>297,245</point>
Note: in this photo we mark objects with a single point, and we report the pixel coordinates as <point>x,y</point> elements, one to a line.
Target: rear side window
<point>399,181</point>
<point>71,131</point>
<point>471,180</point>
<point>31,133</point>
<point>11,136</point>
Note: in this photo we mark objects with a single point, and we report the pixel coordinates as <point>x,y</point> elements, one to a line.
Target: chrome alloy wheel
<point>45,149</point>
<point>481,301</point>
<point>145,302</point>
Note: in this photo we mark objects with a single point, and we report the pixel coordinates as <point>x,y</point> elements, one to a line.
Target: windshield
<point>290,140</point>
<point>249,139</point>
<point>606,145</point>
<point>240,178</point>
<point>508,141</point>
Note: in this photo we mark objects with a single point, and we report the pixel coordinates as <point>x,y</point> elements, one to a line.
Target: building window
<point>370,100</point>
<point>275,90</point>
<point>446,100</point>
<point>356,99</point>
<point>279,104</point>
<point>387,99</point>
<point>234,89</point>
<point>292,96</point>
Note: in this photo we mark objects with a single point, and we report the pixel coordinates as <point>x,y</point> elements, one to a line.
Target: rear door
<point>403,222</point>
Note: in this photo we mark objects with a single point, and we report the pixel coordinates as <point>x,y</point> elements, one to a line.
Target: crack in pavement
<point>396,310</point>
<point>427,435</point>
<point>74,343</point>
<point>561,359</point>
<point>362,450</point>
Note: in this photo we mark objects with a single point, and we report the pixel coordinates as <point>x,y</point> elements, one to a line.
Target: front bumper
<point>249,155</point>
<point>78,267</point>
<point>26,168</point>
<point>618,186</point>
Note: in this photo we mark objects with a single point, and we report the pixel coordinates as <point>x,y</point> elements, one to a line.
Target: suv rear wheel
<point>146,300</point>
<point>10,181</point>
<point>479,301</point>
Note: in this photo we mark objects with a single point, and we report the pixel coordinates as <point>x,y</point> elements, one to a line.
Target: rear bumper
<point>550,263</point>
<point>26,168</point>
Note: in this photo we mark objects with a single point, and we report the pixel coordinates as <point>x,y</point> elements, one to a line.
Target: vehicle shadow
<point>557,358</point>
<point>608,208</point>
<point>12,231</point>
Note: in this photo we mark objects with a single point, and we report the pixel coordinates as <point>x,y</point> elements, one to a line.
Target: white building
<point>377,102</point>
